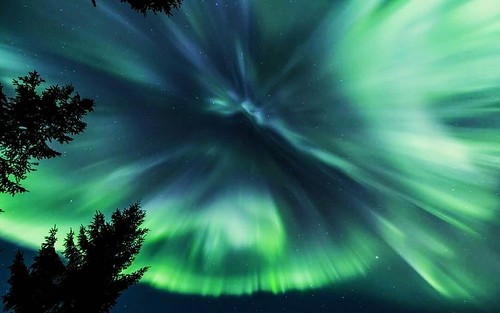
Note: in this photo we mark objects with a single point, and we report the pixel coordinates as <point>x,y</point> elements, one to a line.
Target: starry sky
<point>292,156</point>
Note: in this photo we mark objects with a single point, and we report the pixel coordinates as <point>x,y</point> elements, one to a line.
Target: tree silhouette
<point>30,121</point>
<point>162,6</point>
<point>18,298</point>
<point>45,275</point>
<point>91,279</point>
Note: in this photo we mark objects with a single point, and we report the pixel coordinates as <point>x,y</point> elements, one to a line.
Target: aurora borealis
<point>276,145</point>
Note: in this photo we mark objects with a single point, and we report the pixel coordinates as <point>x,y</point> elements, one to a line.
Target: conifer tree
<point>18,298</point>
<point>45,275</point>
<point>91,279</point>
<point>30,121</point>
<point>143,6</point>
<point>106,250</point>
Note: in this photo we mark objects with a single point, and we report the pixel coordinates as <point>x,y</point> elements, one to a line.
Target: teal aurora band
<point>276,145</point>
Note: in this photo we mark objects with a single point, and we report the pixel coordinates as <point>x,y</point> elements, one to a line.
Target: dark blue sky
<point>316,156</point>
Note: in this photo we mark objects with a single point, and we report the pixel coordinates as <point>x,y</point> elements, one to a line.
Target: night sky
<point>292,156</point>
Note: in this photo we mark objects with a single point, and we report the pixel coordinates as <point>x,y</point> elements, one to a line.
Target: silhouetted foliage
<point>91,279</point>
<point>162,6</point>
<point>30,121</point>
<point>45,275</point>
<point>18,298</point>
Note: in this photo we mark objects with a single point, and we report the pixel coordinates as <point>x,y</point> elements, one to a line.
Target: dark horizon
<point>144,299</point>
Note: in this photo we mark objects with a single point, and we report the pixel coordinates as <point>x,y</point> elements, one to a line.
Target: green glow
<point>290,271</point>
<point>281,156</point>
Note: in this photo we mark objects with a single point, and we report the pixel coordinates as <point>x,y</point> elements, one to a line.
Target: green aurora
<point>277,146</point>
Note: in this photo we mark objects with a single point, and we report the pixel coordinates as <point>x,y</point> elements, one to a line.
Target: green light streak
<point>289,155</point>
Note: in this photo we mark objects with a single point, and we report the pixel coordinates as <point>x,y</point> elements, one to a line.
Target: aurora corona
<point>277,146</point>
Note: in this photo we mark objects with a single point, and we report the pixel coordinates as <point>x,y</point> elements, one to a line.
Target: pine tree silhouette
<point>18,298</point>
<point>143,6</point>
<point>45,275</point>
<point>105,250</point>
<point>92,278</point>
<point>29,121</point>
